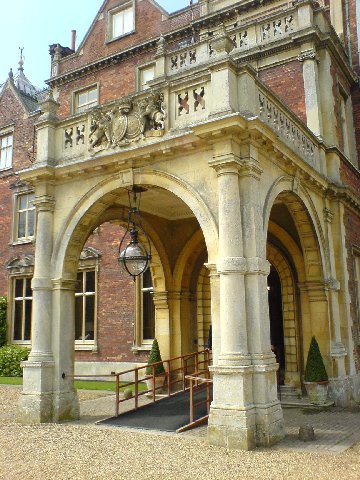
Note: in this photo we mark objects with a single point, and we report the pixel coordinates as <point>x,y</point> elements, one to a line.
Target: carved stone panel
<point>127,122</point>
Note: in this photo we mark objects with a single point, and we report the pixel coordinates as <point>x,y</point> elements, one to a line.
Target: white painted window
<point>25,223</point>
<point>144,312</point>
<point>146,74</point>
<point>6,150</point>
<point>85,307</point>
<point>86,99</point>
<point>21,309</point>
<point>122,22</point>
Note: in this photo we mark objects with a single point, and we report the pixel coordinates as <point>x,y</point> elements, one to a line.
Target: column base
<point>66,406</point>
<point>36,401</point>
<point>39,403</point>
<point>231,428</point>
<point>269,425</point>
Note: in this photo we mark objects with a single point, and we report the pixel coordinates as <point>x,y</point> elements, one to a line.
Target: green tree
<point>155,357</point>
<point>315,369</point>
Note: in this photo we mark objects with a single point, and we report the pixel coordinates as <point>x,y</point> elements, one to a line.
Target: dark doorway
<point>276,320</point>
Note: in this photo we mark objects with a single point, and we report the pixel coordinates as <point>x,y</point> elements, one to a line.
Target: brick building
<point>239,120</point>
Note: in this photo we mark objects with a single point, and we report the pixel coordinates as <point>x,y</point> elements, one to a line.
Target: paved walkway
<point>335,429</point>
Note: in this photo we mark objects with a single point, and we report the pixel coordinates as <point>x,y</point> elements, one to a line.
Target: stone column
<point>312,90</point>
<point>269,418</point>
<point>66,403</point>
<point>337,349</point>
<point>232,413</point>
<point>215,312</point>
<point>162,323</point>
<point>36,402</point>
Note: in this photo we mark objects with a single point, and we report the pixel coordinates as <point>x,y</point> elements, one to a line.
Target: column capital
<point>309,54</point>
<point>44,203</point>
<point>226,164</point>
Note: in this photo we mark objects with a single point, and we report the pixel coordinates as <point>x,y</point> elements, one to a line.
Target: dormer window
<point>121,21</point>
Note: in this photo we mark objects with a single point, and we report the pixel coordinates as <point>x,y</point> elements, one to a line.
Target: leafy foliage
<point>10,358</point>
<point>3,323</point>
<point>155,357</point>
<point>315,369</point>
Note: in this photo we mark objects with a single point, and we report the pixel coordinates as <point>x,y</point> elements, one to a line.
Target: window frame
<point>12,308</point>
<point>77,93</point>
<point>6,133</point>
<point>83,344</point>
<point>141,86</point>
<point>141,344</point>
<point>21,189</point>
<point>110,36</point>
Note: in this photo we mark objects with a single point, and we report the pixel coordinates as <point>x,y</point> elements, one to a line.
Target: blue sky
<point>36,24</point>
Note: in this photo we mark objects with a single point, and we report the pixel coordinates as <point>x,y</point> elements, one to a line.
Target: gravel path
<point>82,450</point>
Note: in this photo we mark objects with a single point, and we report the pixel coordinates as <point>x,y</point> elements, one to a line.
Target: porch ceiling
<point>159,202</point>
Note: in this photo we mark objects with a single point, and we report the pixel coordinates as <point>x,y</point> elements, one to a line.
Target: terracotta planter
<point>159,383</point>
<point>317,392</point>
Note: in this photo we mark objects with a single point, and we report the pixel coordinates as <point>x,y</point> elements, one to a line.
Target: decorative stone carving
<point>184,105</point>
<point>127,122</point>
<point>308,55</point>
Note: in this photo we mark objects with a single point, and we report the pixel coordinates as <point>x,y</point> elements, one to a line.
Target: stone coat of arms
<point>127,122</point>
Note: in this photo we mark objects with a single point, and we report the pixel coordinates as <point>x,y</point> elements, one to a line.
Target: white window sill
<point>86,347</point>
<point>21,241</point>
<point>141,348</point>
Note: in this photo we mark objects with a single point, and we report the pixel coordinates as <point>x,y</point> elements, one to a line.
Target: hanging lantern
<point>134,257</point>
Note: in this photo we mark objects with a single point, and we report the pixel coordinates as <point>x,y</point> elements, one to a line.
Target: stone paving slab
<point>335,429</point>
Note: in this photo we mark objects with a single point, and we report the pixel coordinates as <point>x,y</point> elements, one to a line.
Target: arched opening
<point>276,321</point>
<point>298,306</point>
<point>168,291</point>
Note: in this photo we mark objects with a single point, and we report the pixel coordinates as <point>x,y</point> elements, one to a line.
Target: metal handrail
<point>185,366</point>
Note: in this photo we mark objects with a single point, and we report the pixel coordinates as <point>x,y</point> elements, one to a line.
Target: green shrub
<point>3,323</point>
<point>10,358</point>
<point>315,369</point>
<point>155,357</point>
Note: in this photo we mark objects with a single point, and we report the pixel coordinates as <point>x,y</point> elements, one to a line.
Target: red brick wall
<point>12,111</point>
<point>287,82</point>
<point>352,229</point>
<point>115,302</point>
<point>149,24</point>
<point>114,82</point>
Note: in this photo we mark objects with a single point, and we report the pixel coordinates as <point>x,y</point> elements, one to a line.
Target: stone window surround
<point>89,260</point>
<point>140,345</point>
<point>139,71</point>
<point>5,131</point>
<point>17,267</point>
<point>356,269</point>
<point>75,96</point>
<point>109,21</point>
<point>20,189</point>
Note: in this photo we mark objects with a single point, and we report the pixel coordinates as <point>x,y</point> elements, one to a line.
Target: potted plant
<point>316,378</point>
<point>155,369</point>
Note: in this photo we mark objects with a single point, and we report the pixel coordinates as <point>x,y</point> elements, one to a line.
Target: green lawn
<point>79,384</point>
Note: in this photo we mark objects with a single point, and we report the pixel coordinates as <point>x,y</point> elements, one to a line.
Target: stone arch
<point>85,214</point>
<point>290,315</point>
<point>301,207</point>
<point>188,264</point>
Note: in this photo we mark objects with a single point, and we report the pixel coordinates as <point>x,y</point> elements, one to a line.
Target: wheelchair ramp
<point>168,414</point>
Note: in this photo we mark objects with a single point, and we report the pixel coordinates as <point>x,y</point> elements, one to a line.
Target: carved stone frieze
<point>127,122</point>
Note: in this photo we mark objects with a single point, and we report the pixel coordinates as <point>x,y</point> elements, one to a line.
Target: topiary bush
<point>3,323</point>
<point>315,369</point>
<point>155,357</point>
<point>10,358</point>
